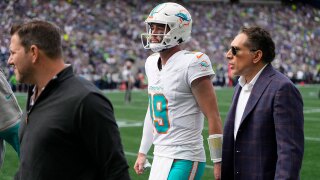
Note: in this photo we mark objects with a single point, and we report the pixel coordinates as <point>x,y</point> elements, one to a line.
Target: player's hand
<point>217,171</point>
<point>138,166</point>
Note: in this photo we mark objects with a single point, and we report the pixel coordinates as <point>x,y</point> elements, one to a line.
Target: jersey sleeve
<point>199,66</point>
<point>147,136</point>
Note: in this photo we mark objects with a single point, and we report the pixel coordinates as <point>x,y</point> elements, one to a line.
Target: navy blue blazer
<point>270,140</point>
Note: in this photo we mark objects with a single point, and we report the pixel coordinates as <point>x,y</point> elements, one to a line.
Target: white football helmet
<point>174,16</point>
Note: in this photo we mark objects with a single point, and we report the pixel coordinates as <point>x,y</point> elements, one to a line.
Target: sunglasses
<point>234,50</point>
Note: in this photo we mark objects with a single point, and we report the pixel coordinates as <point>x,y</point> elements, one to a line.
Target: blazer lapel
<point>233,106</point>
<point>257,90</point>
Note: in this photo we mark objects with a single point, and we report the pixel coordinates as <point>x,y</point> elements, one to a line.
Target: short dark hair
<point>45,35</point>
<point>260,39</point>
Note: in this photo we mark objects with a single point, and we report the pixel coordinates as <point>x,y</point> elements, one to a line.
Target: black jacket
<point>70,133</point>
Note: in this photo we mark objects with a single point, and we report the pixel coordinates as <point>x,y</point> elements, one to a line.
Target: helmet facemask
<point>165,38</point>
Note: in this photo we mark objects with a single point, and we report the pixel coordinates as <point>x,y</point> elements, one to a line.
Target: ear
<point>34,50</point>
<point>257,56</point>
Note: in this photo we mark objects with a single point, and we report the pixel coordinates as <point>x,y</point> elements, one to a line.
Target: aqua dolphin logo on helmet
<point>184,17</point>
<point>178,21</point>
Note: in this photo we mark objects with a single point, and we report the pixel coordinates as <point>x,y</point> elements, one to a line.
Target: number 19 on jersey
<point>159,112</point>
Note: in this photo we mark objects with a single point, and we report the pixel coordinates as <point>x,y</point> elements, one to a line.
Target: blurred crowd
<point>100,35</point>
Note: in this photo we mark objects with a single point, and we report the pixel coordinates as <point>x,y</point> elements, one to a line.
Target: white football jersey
<point>176,116</point>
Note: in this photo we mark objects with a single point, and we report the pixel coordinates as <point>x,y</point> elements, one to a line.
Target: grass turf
<point>130,119</point>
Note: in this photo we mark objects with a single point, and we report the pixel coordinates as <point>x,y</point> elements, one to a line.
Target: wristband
<point>215,147</point>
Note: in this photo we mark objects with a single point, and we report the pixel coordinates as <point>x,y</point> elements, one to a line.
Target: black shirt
<point>70,133</point>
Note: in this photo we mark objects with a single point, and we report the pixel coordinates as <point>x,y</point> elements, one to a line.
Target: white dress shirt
<point>243,99</point>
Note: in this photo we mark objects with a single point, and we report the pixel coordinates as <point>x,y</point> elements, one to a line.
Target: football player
<point>180,95</point>
<point>128,79</point>
<point>10,117</point>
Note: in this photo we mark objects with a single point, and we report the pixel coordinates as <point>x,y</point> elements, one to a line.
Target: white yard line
<point>123,124</point>
<point>312,139</point>
<point>309,111</point>
<point>312,119</point>
<point>130,107</point>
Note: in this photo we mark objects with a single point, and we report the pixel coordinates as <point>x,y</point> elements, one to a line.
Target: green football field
<point>130,120</point>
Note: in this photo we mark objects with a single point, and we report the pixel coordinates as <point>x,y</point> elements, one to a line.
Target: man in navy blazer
<point>263,132</point>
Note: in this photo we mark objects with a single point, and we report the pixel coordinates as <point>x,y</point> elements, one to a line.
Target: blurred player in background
<point>128,78</point>
<point>180,92</point>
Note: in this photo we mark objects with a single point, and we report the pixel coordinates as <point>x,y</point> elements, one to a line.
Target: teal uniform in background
<point>10,117</point>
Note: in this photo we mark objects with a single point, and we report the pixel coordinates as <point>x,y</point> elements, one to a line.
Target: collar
<point>249,86</point>
<point>62,75</point>
<point>66,72</point>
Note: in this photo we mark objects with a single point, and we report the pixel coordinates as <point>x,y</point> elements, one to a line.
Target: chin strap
<point>215,147</point>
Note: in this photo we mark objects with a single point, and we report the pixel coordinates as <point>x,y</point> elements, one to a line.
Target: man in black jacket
<point>69,131</point>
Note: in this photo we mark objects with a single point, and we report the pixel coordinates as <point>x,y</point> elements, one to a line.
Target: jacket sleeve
<point>288,117</point>
<point>101,137</point>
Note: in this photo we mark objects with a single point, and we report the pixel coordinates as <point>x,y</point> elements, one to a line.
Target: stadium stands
<point>99,35</point>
